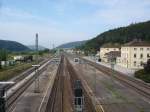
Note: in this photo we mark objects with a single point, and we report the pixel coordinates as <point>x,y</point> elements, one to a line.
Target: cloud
<point>9,12</point>
<point>25,33</point>
<point>16,15</point>
<point>70,20</point>
<point>119,12</point>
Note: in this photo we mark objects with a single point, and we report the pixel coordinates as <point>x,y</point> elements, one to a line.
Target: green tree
<point>147,66</point>
<point>3,56</point>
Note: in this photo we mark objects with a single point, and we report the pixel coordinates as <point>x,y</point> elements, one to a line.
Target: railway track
<point>89,106</point>
<point>139,86</point>
<point>55,102</point>
<point>21,76</point>
<point>61,98</point>
<point>15,95</point>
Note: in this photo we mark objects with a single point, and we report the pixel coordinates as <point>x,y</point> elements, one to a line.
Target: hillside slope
<point>120,35</point>
<point>12,46</point>
<point>72,44</point>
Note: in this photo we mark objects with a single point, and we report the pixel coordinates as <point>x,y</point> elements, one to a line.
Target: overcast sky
<point>61,21</point>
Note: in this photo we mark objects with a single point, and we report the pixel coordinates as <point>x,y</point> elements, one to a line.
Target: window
<point>135,49</point>
<point>141,49</point>
<point>148,49</point>
<point>134,63</point>
<point>141,56</point>
<point>148,56</point>
<point>134,55</point>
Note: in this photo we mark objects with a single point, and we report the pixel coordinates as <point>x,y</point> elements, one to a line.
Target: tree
<point>3,56</point>
<point>147,66</point>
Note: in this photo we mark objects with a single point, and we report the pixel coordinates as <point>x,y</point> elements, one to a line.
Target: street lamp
<point>113,68</point>
<point>36,87</point>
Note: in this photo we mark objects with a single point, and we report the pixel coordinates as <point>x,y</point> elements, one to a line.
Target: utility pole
<point>36,47</point>
<point>95,84</point>
<point>53,46</point>
<point>36,89</point>
<point>113,69</point>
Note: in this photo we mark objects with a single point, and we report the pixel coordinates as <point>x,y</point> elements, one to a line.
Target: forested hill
<point>12,46</point>
<point>120,35</point>
<point>72,44</point>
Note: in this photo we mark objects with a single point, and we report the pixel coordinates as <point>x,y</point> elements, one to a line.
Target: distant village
<point>17,59</point>
<point>132,55</point>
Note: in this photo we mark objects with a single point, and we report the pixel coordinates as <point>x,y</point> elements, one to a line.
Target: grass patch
<point>12,71</point>
<point>141,74</point>
<point>114,92</point>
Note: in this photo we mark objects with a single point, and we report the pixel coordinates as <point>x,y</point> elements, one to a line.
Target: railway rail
<point>13,97</point>
<point>54,104</point>
<point>139,86</point>
<point>60,92</point>
<point>21,76</point>
<point>89,106</point>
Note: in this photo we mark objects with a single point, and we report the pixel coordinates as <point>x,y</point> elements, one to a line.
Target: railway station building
<point>134,54</point>
<point>107,49</point>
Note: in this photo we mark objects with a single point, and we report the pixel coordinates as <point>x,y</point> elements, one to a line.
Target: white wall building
<point>134,54</point>
<point>106,49</point>
<point>18,58</point>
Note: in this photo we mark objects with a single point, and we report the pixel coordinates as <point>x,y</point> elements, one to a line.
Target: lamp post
<point>36,89</point>
<point>37,85</point>
<point>95,83</point>
<point>113,68</point>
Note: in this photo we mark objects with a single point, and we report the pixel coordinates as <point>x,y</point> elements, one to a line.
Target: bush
<point>147,66</point>
<point>143,75</point>
<point>8,74</point>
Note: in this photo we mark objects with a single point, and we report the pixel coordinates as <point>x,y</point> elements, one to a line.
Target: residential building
<point>106,49</point>
<point>134,54</point>
<point>112,56</point>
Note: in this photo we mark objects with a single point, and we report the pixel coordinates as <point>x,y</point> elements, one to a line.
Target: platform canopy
<point>36,65</point>
<point>7,82</point>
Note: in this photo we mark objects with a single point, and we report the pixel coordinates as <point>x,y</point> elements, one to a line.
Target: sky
<point>61,21</point>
